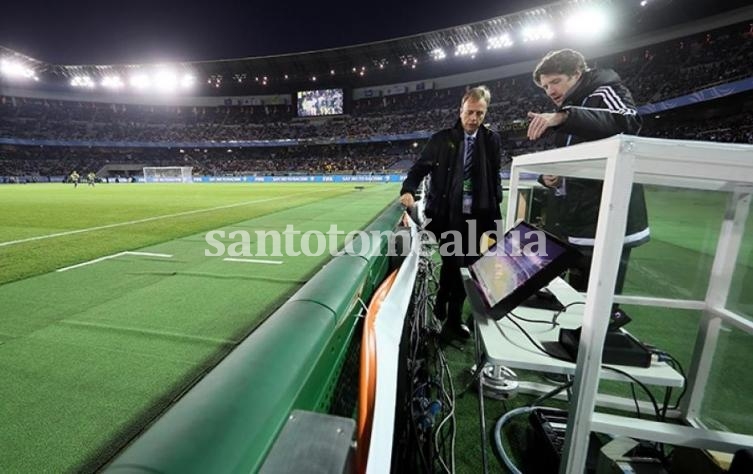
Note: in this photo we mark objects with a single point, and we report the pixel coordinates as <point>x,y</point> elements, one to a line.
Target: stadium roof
<point>504,39</point>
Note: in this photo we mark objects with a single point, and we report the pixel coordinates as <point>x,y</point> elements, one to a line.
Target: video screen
<point>320,102</point>
<point>525,257</point>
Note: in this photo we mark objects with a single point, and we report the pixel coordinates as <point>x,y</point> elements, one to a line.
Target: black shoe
<point>456,330</point>
<point>469,324</point>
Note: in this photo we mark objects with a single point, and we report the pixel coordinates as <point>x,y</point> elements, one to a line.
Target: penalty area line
<point>115,255</point>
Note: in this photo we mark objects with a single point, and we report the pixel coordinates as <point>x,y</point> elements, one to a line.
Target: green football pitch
<point>91,354</point>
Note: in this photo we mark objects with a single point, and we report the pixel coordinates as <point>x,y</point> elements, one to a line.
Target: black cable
<point>621,372</point>
<point>429,373</point>
<point>665,405</point>
<point>635,400</point>
<point>538,346</point>
<point>538,321</point>
<point>640,384</point>
<point>551,393</point>
<point>675,364</point>
<point>564,310</point>
<point>684,381</point>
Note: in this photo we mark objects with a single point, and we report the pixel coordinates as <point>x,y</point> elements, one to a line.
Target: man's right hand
<point>550,181</point>
<point>407,200</point>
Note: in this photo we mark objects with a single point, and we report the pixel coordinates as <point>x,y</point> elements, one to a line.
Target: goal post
<point>168,174</point>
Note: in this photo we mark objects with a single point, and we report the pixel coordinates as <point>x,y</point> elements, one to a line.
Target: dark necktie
<point>468,158</point>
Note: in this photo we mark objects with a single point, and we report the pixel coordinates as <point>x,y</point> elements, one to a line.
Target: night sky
<point>133,31</point>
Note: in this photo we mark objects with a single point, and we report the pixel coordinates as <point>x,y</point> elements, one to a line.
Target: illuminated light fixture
<point>286,77</point>
<point>82,81</point>
<point>313,78</point>
<point>644,3</point>
<point>165,80</point>
<point>409,60</point>
<point>331,72</point>
<point>112,82</point>
<point>499,42</point>
<point>380,63</point>
<point>140,81</point>
<point>466,49</point>
<point>590,22</point>
<point>215,79</point>
<point>16,70</point>
<point>437,54</point>
<point>541,31</point>
<point>187,81</point>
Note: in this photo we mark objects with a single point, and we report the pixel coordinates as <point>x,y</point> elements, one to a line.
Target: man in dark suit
<point>463,199</point>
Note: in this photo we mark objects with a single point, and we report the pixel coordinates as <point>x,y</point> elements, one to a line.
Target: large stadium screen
<point>320,102</point>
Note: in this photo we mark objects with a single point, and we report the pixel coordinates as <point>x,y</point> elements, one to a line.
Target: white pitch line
<point>115,255</point>
<point>149,254</point>
<point>251,260</point>
<point>96,260</point>
<point>146,219</point>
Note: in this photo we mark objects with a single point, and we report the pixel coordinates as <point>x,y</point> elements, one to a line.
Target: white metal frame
<point>620,161</point>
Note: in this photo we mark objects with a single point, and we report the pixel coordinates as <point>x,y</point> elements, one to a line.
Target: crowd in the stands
<point>653,73</point>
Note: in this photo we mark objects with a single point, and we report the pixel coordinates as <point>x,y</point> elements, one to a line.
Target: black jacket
<point>598,106</point>
<point>441,159</point>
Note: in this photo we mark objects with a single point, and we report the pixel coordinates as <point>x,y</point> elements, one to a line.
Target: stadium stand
<point>375,129</point>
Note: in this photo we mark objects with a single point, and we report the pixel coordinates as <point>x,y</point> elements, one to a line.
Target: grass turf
<point>163,212</point>
<point>91,355</point>
<point>91,362</point>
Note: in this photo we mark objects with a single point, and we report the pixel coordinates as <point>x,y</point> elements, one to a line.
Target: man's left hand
<point>541,122</point>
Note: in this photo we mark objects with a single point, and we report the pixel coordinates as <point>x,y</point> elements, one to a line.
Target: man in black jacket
<point>463,199</point>
<point>591,104</point>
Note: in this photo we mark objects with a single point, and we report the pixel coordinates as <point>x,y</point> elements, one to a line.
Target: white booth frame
<point>621,161</point>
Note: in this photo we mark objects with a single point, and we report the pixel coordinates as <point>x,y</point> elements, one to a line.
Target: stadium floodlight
<point>82,81</point>
<point>165,80</point>
<point>466,49</point>
<point>438,54</point>
<point>112,82</point>
<point>140,81</point>
<point>187,81</point>
<point>409,60</point>
<point>499,42</point>
<point>16,70</point>
<point>590,22</point>
<point>542,31</point>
